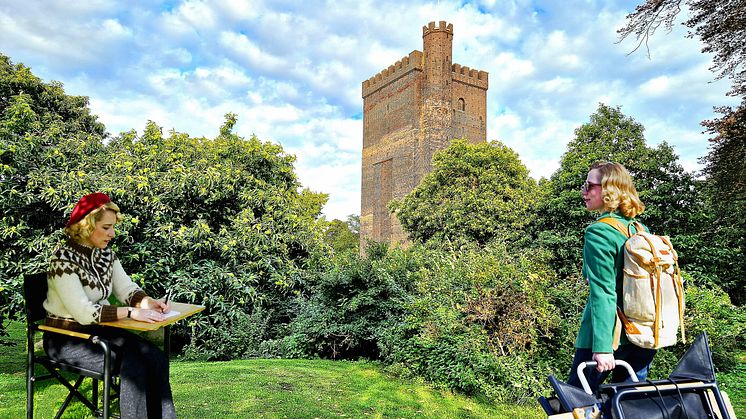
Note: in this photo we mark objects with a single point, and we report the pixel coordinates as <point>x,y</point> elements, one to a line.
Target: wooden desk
<point>184,309</point>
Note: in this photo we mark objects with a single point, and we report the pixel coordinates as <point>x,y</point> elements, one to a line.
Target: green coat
<point>603,261</point>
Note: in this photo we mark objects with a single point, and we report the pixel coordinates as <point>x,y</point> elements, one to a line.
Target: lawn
<point>282,388</point>
<point>269,388</point>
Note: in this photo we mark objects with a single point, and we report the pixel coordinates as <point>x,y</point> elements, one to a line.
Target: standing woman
<point>83,273</point>
<point>609,190</point>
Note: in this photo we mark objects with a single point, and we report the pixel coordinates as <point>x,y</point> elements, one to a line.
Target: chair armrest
<point>74,334</point>
<point>103,343</point>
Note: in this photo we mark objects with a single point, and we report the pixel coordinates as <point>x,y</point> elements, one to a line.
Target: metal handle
<point>617,362</point>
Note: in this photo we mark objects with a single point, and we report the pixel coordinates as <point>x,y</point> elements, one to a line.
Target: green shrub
<point>480,322</point>
<point>350,306</point>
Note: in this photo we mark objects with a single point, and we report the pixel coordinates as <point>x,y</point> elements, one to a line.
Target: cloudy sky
<point>292,71</point>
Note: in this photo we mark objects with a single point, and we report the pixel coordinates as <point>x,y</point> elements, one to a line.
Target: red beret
<point>87,204</point>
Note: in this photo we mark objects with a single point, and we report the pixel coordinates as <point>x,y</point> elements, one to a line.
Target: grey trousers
<point>145,390</point>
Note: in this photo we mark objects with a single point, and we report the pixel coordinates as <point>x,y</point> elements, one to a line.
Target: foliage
<point>720,25</point>
<point>708,309</point>
<point>479,322</point>
<point>352,305</point>
<point>47,141</point>
<point>475,193</point>
<point>726,173</point>
<point>344,236</point>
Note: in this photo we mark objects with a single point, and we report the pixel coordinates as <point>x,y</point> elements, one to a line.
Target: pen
<point>168,296</point>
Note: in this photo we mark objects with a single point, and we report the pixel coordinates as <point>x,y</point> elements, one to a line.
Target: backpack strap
<point>618,226</point>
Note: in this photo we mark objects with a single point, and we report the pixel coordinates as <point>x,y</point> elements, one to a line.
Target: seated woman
<point>83,273</point>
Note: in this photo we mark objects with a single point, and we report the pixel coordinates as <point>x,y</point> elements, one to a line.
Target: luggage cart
<point>690,391</point>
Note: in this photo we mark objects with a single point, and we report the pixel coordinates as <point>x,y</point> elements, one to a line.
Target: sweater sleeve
<point>124,288</point>
<point>65,287</point>
<point>599,255</point>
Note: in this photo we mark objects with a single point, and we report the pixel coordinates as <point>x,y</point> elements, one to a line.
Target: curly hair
<point>619,193</point>
<point>81,230</point>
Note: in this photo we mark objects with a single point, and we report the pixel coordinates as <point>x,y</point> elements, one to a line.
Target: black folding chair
<point>35,292</point>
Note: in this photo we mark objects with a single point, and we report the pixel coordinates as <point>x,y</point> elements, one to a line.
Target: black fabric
<point>550,405</point>
<point>35,292</point>
<point>667,406</point>
<point>571,397</point>
<point>696,364</point>
<point>143,369</point>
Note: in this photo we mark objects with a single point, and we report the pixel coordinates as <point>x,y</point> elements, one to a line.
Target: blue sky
<point>292,71</point>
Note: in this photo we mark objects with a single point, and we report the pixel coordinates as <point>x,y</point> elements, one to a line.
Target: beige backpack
<point>653,288</point>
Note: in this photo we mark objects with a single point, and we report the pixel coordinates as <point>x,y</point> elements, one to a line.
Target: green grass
<point>262,388</point>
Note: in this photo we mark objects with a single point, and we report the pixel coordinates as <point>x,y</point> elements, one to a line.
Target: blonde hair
<point>619,191</point>
<point>81,230</point>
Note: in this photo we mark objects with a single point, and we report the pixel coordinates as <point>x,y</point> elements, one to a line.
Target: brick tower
<point>410,110</point>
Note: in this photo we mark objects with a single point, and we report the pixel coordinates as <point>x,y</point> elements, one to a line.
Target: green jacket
<point>603,261</point>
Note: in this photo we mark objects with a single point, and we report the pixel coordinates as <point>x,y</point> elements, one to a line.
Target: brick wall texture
<point>410,110</point>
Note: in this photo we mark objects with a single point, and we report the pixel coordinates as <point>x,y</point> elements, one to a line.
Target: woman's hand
<point>605,361</point>
<point>147,315</point>
<point>157,305</point>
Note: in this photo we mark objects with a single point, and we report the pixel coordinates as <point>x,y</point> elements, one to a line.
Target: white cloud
<point>251,53</point>
<point>656,87</point>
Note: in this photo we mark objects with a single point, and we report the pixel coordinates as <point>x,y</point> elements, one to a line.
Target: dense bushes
<point>479,322</point>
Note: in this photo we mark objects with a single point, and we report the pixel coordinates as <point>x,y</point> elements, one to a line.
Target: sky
<point>292,71</point>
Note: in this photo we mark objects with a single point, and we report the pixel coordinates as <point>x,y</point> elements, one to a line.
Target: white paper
<point>171,314</point>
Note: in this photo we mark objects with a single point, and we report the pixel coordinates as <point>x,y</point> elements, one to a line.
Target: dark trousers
<point>145,390</point>
<point>638,358</point>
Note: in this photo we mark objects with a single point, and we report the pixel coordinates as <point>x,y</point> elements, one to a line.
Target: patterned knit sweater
<point>80,280</point>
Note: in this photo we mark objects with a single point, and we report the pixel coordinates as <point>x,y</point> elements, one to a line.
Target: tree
<point>726,174</point>
<point>475,193</point>
<point>344,235</point>
<point>673,198</point>
<point>720,25</point>
<point>223,222</point>
<point>47,143</point>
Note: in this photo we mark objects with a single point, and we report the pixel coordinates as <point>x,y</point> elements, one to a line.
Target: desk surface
<point>184,309</point>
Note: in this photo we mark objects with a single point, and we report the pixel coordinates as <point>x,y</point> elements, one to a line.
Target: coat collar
<point>80,248</point>
<point>614,214</point>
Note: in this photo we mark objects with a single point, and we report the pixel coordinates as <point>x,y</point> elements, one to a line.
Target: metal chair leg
<point>94,392</point>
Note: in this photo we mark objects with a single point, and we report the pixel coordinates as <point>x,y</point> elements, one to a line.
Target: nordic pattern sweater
<point>81,280</point>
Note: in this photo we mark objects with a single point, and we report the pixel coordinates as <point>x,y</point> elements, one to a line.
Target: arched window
<point>461,104</point>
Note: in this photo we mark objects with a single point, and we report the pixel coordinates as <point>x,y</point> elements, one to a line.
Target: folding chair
<point>35,292</point>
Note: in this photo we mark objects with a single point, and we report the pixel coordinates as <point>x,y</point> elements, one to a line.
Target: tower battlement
<point>394,71</point>
<point>470,76</point>
<point>442,27</point>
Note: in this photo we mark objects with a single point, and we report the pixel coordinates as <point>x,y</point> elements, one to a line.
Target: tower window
<point>461,104</point>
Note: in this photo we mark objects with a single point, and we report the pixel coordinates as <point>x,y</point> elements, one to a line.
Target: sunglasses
<point>585,187</point>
